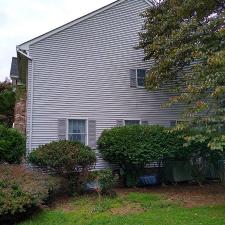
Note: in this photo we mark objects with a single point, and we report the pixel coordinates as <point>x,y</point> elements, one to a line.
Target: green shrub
<point>135,146</point>
<point>7,103</point>
<point>12,145</point>
<point>71,160</point>
<point>138,145</point>
<point>22,189</point>
<point>106,181</point>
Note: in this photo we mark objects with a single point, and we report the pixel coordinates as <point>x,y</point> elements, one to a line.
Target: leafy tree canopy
<point>7,103</point>
<point>182,34</point>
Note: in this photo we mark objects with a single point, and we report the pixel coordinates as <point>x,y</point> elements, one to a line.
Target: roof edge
<point>25,45</point>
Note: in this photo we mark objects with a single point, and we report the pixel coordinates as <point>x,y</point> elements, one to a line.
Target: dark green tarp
<point>181,171</point>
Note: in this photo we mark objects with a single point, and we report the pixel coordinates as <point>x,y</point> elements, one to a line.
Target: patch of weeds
<point>106,204</point>
<point>149,201</point>
<point>142,197</point>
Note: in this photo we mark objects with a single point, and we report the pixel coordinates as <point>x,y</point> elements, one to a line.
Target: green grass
<point>132,209</point>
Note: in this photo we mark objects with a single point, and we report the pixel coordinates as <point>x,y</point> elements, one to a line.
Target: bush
<point>7,103</point>
<point>106,181</point>
<point>22,189</point>
<point>135,146</point>
<point>12,145</point>
<point>71,160</point>
<point>138,145</point>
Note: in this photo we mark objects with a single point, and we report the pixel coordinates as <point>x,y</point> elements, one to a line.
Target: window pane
<point>77,137</point>
<point>141,73</point>
<point>77,126</point>
<point>132,122</point>
<point>77,130</point>
<point>141,82</point>
<point>141,77</point>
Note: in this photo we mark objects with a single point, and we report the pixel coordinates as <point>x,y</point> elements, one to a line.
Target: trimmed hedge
<point>135,146</point>
<point>12,145</point>
<point>71,160</point>
<point>138,145</point>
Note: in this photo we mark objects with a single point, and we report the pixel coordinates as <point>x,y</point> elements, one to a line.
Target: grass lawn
<point>127,209</point>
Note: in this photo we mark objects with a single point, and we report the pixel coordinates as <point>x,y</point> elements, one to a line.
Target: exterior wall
<point>83,72</point>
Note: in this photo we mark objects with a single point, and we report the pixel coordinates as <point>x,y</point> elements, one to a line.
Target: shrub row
<point>135,146</point>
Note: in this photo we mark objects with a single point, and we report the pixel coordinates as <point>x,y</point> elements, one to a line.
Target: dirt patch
<point>189,195</point>
<point>62,202</point>
<point>134,208</point>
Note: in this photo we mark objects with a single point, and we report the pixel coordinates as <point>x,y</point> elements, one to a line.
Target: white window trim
<point>77,118</point>
<point>137,77</point>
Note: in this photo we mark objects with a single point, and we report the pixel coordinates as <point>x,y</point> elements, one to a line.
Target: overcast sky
<point>21,20</point>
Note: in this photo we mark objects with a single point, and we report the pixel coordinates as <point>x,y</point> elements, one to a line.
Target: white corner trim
<point>31,105</point>
<point>25,45</point>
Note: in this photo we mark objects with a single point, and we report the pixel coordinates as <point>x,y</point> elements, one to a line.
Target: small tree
<point>7,103</point>
<point>185,39</point>
<point>71,160</point>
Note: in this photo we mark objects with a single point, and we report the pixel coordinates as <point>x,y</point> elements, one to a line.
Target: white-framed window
<point>132,122</point>
<point>140,77</point>
<point>77,130</point>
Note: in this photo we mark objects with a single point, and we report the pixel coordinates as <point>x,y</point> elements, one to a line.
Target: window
<point>131,122</point>
<point>77,130</point>
<point>140,77</point>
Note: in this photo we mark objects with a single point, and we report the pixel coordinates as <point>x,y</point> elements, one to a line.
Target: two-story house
<point>87,76</point>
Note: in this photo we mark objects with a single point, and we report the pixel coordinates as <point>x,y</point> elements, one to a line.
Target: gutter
<point>31,95</point>
<point>24,54</point>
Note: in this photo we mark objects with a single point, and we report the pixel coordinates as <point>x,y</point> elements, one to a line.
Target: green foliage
<point>131,209</point>
<point>106,181</point>
<point>138,145</point>
<point>135,146</point>
<point>12,145</point>
<point>69,159</point>
<point>7,103</point>
<point>177,34</point>
<point>21,189</point>
<point>20,92</point>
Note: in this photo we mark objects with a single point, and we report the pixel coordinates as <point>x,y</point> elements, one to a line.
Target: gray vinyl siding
<point>83,72</point>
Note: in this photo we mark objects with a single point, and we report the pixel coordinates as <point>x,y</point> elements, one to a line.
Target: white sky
<point>22,20</point>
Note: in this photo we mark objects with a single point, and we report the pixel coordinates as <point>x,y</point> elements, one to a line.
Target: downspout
<point>31,96</point>
<point>31,106</point>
